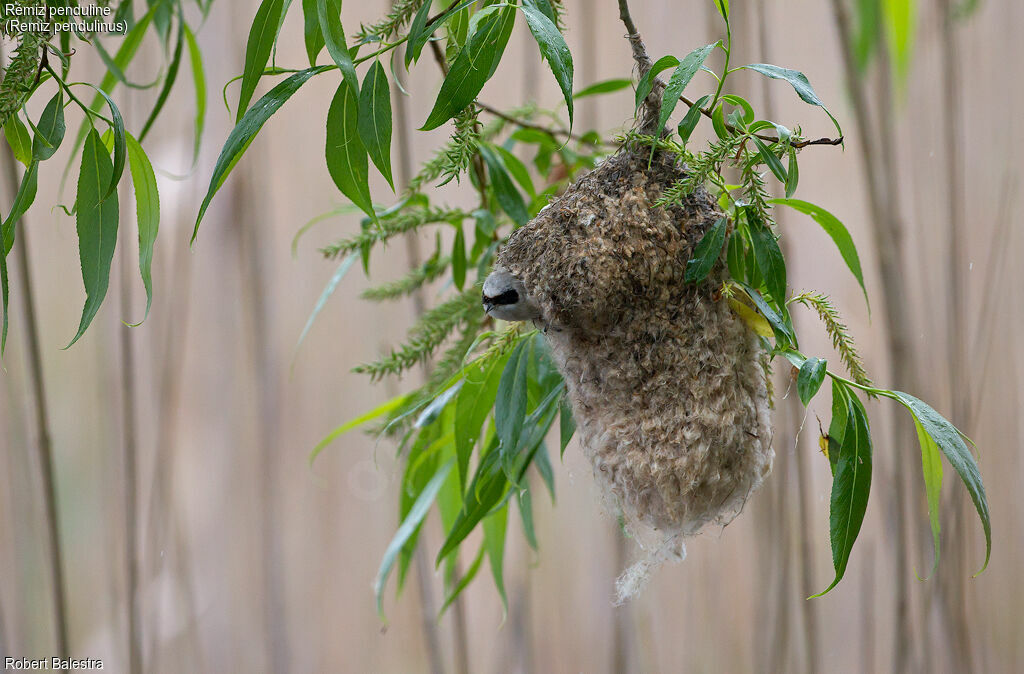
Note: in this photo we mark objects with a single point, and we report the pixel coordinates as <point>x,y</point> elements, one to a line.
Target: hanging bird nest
<point>667,384</point>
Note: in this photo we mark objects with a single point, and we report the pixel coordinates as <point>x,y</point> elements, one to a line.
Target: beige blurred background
<point>250,560</point>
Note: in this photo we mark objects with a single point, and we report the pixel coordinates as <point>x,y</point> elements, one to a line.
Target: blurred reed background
<point>247,559</point>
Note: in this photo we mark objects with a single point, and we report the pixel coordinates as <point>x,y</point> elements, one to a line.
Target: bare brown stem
<point>130,449</point>
<point>880,174</point>
<point>428,606</point>
<point>44,445</point>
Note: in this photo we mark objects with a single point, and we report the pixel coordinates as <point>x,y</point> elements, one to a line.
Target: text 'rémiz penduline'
<point>61,19</point>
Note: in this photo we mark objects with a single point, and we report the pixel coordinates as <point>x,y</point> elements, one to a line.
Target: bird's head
<point>505,297</point>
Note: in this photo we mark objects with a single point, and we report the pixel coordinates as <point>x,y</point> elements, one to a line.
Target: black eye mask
<point>508,297</point>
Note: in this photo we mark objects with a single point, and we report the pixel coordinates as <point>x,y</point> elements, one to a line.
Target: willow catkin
<point>665,382</point>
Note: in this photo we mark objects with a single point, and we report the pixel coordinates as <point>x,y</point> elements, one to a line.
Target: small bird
<point>505,298</point>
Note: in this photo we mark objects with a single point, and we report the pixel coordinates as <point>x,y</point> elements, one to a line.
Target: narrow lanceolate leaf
<point>953,447</point>
<point>346,156</point>
<point>769,260</point>
<point>509,198</point>
<point>459,258</point>
<point>97,226</point>
<point>199,84</point>
<point>495,529</point>
<point>408,527</point>
<point>313,36</point>
<point>120,144</point>
<point>799,82</point>
<point>473,407</point>
<point>836,230</point>
<point>22,200</point>
<point>850,488</point>
<point>793,174</point>
<point>552,48</point>
<point>771,161</point>
<point>691,118</point>
<point>682,75</point>
<point>147,211</point>
<point>375,119</point>
<point>257,51</point>
<point>51,128</point>
<point>18,139</point>
<point>244,132</point>
<point>379,411</point>
<point>931,466</point>
<point>329,14</point>
<point>566,425</point>
<point>169,80</point>
<point>510,404</point>
<point>809,378</point>
<point>329,289</point>
<point>706,253</point>
<point>646,83</point>
<point>472,67</point>
<point>603,87</point>
<point>418,33</point>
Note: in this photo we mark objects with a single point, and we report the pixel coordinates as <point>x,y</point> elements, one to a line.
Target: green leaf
<point>199,84</point>
<point>418,33</point>
<point>510,404</point>
<point>244,132</point>
<point>51,128</point>
<point>97,226</point>
<point>747,118</point>
<point>120,144</point>
<point>836,230</point>
<point>346,156</point>
<point>525,502</point>
<point>900,27</point>
<point>799,82</point>
<point>769,260</point>
<point>682,75</point>
<point>734,256</point>
<point>517,169</point>
<point>706,253</point>
<point>566,425</point>
<point>262,34</point>
<point>553,49</point>
<point>464,582</point>
<point>22,200</point>
<point>472,408</point>
<point>953,447</point>
<point>691,118</point>
<point>375,119</point>
<point>504,191</point>
<point>931,465</point>
<point>409,526</point>
<point>169,80</point>
<point>646,83</point>
<point>19,139</point>
<point>147,212</point>
<point>771,161</point>
<point>783,332</point>
<point>723,8</point>
<point>495,529</point>
<point>850,489</point>
<point>459,258</point>
<point>472,68</point>
<point>603,87</point>
<point>389,406</point>
<point>488,487</point>
<point>328,290</point>
<point>313,36</point>
<point>329,13</point>
<point>809,379</point>
<point>793,174</point>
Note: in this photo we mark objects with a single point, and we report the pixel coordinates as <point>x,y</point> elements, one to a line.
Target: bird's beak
<point>488,306</point>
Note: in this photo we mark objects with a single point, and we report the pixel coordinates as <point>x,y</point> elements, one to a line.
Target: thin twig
<point>44,446</point>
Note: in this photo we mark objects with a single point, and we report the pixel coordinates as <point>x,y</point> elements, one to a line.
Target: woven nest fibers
<point>666,382</point>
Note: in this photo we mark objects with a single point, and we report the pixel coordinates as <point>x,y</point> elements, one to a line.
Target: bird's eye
<point>510,296</point>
